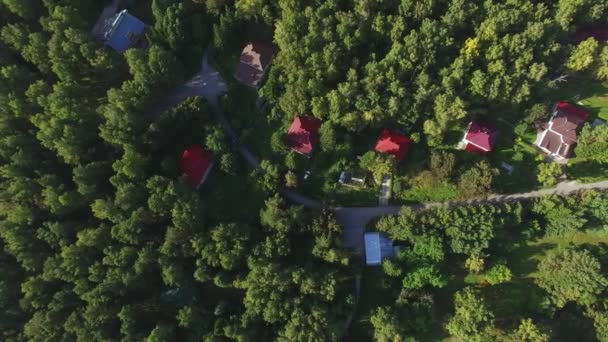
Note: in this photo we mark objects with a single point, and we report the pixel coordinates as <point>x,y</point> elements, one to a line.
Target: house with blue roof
<point>123,31</point>
<point>377,248</point>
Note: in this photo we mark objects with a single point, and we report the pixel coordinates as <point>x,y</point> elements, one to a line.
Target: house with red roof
<point>303,135</point>
<point>560,134</point>
<point>480,137</point>
<point>254,62</point>
<point>196,164</point>
<point>393,143</point>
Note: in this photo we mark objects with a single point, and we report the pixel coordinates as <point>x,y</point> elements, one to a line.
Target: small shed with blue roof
<point>377,248</point>
<point>123,31</point>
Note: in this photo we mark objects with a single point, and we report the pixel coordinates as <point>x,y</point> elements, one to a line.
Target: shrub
<point>292,161</point>
<point>477,181</point>
<point>474,264</point>
<point>498,274</point>
<point>291,180</point>
<point>536,112</point>
<point>277,142</point>
<point>549,173</point>
<point>521,129</point>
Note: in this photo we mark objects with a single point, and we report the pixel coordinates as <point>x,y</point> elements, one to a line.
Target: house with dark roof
<point>394,143</point>
<point>123,31</point>
<point>254,61</point>
<point>377,248</point>
<point>196,164</point>
<point>560,134</point>
<point>480,137</point>
<point>303,135</point>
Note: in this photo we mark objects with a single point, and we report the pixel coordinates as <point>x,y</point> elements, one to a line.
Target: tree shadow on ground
<point>587,169</point>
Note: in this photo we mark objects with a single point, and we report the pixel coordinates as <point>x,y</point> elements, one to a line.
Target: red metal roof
<point>303,134</point>
<point>393,142</point>
<point>482,136</point>
<point>195,164</point>
<point>570,109</point>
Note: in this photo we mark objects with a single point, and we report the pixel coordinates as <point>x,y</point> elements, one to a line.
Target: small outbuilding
<point>196,164</point>
<point>254,62</point>
<point>303,135</point>
<point>123,31</point>
<point>377,248</point>
<point>480,137</point>
<point>394,143</point>
<point>349,179</point>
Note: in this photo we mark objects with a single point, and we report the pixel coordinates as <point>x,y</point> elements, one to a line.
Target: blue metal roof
<point>377,248</point>
<point>123,31</point>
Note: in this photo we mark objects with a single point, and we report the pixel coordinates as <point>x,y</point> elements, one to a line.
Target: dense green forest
<point>101,238</point>
<point>519,271</point>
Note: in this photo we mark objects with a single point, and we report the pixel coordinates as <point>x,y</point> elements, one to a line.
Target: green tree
<point>291,179</point>
<point>583,55</point>
<point>387,326</point>
<point>442,164</point>
<point>216,139</point>
<point>549,173</point>
<point>497,274</point>
<point>593,143</point>
<point>477,181</point>
<point>380,165</point>
<point>528,332</point>
<point>570,275</point>
<point>327,137</point>
<point>228,163</point>
<point>472,320</point>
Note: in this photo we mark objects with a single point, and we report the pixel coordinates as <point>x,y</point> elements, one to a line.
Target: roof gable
<point>566,121</point>
<point>303,134</point>
<point>482,135</point>
<point>394,143</point>
<point>122,31</point>
<point>195,164</point>
<point>377,248</point>
<point>255,58</point>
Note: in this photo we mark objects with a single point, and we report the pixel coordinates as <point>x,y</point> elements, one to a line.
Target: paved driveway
<point>385,191</point>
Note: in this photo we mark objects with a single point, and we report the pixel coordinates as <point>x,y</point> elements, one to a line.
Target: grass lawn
<point>587,171</point>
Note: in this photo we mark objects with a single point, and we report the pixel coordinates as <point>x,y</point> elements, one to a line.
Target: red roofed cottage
<point>195,165</point>
<point>303,134</point>
<point>394,143</point>
<point>480,137</point>
<point>559,137</point>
